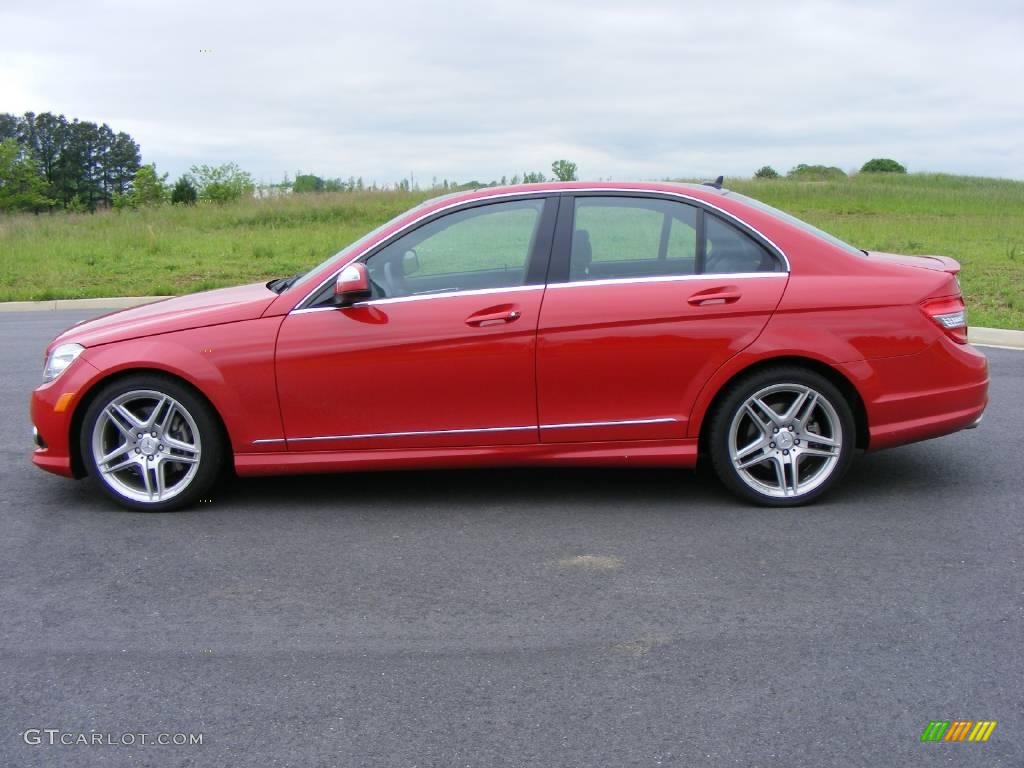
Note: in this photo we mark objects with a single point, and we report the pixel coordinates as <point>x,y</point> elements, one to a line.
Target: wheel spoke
<point>122,449</point>
<point>165,423</point>
<point>825,453</point>
<point>752,454</point>
<point>794,472</point>
<point>185,450</point>
<point>146,478</point>
<point>802,404</point>
<point>123,419</point>
<point>158,473</point>
<point>816,439</point>
<point>763,416</point>
<point>154,415</point>
<point>760,458</point>
<point>117,467</point>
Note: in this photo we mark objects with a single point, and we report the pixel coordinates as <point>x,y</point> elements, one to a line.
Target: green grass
<point>173,250</point>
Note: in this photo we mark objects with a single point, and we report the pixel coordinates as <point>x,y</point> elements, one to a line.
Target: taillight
<point>950,315</point>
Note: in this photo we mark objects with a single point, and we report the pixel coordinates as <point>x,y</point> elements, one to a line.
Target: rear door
<point>647,297</point>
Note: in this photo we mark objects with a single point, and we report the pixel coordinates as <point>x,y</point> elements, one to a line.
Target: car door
<point>443,352</point>
<point>648,297</point>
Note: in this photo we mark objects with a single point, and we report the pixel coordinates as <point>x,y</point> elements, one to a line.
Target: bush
<point>184,192</point>
<point>221,183</point>
<point>882,165</point>
<point>805,172</point>
<point>307,182</point>
<point>766,172</point>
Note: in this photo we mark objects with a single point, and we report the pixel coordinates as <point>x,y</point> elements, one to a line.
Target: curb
<point>987,337</point>
<point>996,337</point>
<point>116,302</point>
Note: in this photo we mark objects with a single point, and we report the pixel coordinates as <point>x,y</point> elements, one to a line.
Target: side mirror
<point>410,262</point>
<point>353,285</point>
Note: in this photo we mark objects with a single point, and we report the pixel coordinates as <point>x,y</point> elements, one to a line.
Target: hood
<point>937,263</point>
<point>224,305</point>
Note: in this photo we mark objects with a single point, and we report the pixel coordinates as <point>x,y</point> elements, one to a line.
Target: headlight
<point>59,359</point>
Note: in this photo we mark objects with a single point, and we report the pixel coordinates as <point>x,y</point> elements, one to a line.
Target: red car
<point>643,324</point>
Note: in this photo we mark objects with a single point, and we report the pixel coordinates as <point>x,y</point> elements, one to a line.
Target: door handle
<point>727,295</point>
<point>493,318</point>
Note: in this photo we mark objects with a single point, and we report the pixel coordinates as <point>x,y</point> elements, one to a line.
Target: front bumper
<point>53,406</point>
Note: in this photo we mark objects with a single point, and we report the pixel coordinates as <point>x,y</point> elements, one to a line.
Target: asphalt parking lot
<point>518,618</point>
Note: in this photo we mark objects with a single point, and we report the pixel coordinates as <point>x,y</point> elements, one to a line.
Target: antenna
<point>717,183</point>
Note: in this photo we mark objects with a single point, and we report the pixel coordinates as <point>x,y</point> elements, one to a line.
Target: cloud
<point>464,90</point>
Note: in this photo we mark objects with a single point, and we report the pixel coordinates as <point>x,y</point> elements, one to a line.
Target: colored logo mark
<point>958,730</point>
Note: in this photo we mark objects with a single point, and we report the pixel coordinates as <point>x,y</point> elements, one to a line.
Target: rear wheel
<point>151,443</point>
<point>782,437</point>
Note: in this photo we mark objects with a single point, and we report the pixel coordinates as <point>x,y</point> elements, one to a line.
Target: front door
<point>441,355</point>
<point>649,296</point>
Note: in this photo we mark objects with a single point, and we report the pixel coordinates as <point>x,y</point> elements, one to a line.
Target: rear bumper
<point>917,397</point>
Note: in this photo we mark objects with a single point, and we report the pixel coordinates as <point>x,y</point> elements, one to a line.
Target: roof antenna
<point>717,183</point>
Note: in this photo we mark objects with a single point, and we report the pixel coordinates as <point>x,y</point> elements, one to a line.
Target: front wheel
<point>782,437</point>
<point>151,443</point>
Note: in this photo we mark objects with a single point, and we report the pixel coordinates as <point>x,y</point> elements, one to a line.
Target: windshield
<point>369,236</point>
<point>797,223</point>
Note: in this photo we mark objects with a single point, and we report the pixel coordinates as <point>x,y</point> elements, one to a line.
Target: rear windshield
<point>797,223</point>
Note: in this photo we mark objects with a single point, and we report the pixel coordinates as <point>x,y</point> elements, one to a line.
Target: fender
<point>231,364</point>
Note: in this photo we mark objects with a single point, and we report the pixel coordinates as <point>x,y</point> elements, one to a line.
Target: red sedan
<point>572,323</point>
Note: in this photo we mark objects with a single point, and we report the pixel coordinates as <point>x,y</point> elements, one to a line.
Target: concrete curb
<point>116,302</point>
<point>989,337</point>
<point>996,337</point>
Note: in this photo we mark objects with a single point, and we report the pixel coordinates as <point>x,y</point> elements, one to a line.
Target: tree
<point>882,165</point>
<point>184,192</point>
<point>221,183</point>
<point>307,182</point>
<point>148,187</point>
<point>564,170</point>
<point>21,186</point>
<point>766,172</point>
<point>533,178</point>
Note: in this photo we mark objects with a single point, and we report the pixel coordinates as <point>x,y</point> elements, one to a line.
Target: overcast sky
<point>475,90</point>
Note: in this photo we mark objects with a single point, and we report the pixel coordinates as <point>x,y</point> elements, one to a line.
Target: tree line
<point>49,161</point>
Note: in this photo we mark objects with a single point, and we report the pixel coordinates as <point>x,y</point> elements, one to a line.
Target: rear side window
<point>728,251</point>
<point>621,237</point>
<point>636,237</point>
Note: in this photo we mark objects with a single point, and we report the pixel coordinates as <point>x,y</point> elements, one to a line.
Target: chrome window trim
<point>299,307</point>
<point>422,297</point>
<point>569,425</point>
<point>723,276</point>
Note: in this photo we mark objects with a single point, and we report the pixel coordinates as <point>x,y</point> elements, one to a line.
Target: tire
<point>782,437</point>
<point>176,460</point>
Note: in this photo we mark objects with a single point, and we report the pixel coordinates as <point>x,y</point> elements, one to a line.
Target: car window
<point>477,248</point>
<point>621,237</point>
<point>728,251</point>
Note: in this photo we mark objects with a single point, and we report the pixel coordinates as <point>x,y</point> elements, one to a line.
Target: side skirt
<point>638,453</point>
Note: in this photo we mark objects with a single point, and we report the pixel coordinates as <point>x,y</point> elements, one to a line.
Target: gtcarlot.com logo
<point>56,737</point>
<point>958,730</point>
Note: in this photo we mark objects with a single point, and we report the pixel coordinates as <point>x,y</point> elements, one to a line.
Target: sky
<point>479,90</point>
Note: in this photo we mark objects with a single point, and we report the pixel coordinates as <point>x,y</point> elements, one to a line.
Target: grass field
<point>173,250</point>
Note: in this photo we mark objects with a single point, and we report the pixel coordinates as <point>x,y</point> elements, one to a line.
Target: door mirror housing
<point>352,285</point>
